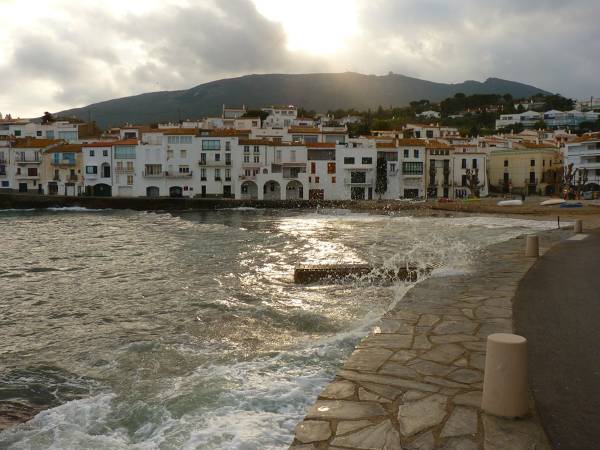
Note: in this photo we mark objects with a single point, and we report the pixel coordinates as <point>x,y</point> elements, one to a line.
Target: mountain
<point>318,91</point>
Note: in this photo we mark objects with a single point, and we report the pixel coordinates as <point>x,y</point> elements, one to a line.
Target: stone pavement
<point>415,382</point>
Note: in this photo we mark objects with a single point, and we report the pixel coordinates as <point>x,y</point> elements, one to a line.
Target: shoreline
<point>415,381</point>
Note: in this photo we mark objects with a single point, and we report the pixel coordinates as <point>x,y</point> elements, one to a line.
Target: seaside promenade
<point>415,382</point>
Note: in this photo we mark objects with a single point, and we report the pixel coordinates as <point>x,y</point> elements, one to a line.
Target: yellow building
<point>61,170</point>
<point>523,169</point>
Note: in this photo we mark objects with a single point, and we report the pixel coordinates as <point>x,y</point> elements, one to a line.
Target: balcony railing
<point>227,163</point>
<point>227,178</point>
<point>247,177</point>
<point>217,178</point>
<point>153,174</point>
<point>358,182</point>
<point>64,162</point>
<point>28,161</point>
<point>3,161</point>
<point>26,177</point>
<point>178,174</point>
<point>124,170</point>
<point>202,178</point>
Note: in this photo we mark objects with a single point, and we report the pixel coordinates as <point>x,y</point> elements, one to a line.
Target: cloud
<point>72,54</point>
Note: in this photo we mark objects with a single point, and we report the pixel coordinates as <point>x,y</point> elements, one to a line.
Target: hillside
<point>320,92</point>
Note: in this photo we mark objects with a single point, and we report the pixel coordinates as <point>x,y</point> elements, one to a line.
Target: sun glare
<point>318,27</point>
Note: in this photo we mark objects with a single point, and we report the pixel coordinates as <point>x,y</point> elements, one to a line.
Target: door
<point>152,191</point>
<point>226,191</point>
<point>105,171</point>
<point>203,191</point>
<point>22,187</point>
<point>175,191</point>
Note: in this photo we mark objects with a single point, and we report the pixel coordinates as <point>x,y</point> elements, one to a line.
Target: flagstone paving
<point>415,383</point>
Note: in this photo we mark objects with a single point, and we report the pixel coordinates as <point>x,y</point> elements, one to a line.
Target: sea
<point>149,330</point>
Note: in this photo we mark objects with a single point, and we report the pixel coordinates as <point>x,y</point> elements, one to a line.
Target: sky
<point>58,54</point>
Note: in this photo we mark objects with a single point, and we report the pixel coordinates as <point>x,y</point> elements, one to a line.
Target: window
<point>130,166</point>
<point>217,174</point>
<point>474,164</point>
<point>416,153</point>
<point>246,158</point>
<point>330,167</point>
<point>392,167</point>
<point>217,157</point>
<point>533,163</point>
<point>4,183</point>
<point>32,172</point>
<point>348,160</point>
<point>506,163</point>
<point>429,133</point>
<point>366,160</point>
<point>185,139</point>
<point>172,139</point>
<point>38,133</point>
<point>104,152</point>
<point>227,174</point>
<point>227,146</point>
<point>277,155</point>
<point>313,167</point>
<point>153,169</point>
<point>91,170</point>
<point>317,180</point>
<point>256,159</point>
<point>246,149</point>
<point>228,159</point>
<point>129,180</point>
<point>293,156</point>
<point>125,152</point>
<point>183,153</point>
<point>464,164</point>
<point>17,133</point>
<point>543,163</point>
<point>406,153</point>
<point>211,145</point>
<point>92,153</point>
<point>169,153</point>
<point>256,149</point>
<point>333,180</point>
<point>203,174</point>
<point>464,180</point>
<point>412,168</point>
<point>358,177</point>
<point>119,165</point>
<point>184,169</point>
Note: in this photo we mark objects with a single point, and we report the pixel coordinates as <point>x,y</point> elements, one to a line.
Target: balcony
<point>124,170</point>
<point>26,177</point>
<point>202,178</point>
<point>28,161</point>
<point>217,178</point>
<point>228,163</point>
<point>358,182</point>
<point>64,162</point>
<point>153,174</point>
<point>3,173</point>
<point>178,174</point>
<point>227,178</point>
<point>247,177</point>
<point>3,161</point>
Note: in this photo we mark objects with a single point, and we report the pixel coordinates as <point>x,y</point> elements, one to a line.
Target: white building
<point>280,116</point>
<point>20,128</point>
<point>429,115</point>
<point>584,153</point>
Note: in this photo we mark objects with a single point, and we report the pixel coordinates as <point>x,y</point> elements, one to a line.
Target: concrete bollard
<point>579,226</point>
<point>532,246</point>
<point>505,378</point>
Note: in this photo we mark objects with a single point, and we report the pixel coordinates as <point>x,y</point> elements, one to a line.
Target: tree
<point>47,118</point>
<point>539,125</point>
<point>381,180</point>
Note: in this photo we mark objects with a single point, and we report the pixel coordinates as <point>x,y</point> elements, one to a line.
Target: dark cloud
<point>90,53</point>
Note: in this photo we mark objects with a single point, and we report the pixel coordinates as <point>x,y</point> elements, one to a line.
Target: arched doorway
<point>152,191</point>
<point>249,190</point>
<point>294,190</point>
<point>101,190</point>
<point>272,190</point>
<point>175,191</point>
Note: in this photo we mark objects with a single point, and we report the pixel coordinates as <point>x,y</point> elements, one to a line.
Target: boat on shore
<point>510,203</point>
<point>553,201</point>
<point>571,205</point>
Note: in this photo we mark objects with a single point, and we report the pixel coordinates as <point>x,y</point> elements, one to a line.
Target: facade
<point>61,170</point>
<point>24,169</point>
<point>584,153</point>
<point>522,169</point>
<point>280,116</point>
<point>60,130</point>
<point>552,119</point>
